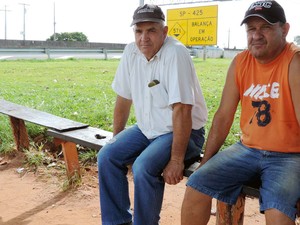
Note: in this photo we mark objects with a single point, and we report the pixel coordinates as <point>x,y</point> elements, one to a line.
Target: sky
<point>109,21</point>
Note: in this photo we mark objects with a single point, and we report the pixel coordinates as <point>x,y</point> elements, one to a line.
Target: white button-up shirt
<point>173,68</point>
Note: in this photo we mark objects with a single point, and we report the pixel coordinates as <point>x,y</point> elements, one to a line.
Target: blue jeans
<point>148,159</point>
<point>224,174</point>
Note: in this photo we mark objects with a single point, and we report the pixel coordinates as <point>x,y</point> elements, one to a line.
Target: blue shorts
<point>224,174</point>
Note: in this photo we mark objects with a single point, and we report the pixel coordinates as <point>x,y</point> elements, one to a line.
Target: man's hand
<point>173,172</point>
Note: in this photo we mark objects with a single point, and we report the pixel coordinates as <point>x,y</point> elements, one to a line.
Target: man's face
<point>149,37</point>
<point>265,41</point>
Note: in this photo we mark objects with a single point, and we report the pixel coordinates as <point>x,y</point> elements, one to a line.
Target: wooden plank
<point>39,117</point>
<point>252,187</point>
<point>250,191</point>
<point>90,137</point>
<point>188,172</point>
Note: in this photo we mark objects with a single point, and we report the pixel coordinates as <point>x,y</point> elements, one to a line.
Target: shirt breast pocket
<point>159,96</point>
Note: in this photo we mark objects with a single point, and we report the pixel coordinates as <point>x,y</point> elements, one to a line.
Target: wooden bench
<point>232,214</point>
<point>66,133</point>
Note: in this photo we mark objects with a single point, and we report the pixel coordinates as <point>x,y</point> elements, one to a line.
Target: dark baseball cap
<point>148,13</point>
<point>270,11</point>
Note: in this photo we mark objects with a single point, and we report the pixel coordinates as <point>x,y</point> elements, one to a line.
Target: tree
<point>68,36</point>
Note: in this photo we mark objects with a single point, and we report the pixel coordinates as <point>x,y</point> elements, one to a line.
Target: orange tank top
<point>268,120</point>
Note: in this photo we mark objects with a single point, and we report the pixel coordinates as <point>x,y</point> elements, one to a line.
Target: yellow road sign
<point>194,26</point>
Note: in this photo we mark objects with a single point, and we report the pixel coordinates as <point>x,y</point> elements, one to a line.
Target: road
<point>15,55</point>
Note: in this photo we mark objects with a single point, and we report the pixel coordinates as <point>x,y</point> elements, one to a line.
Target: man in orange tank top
<point>265,81</point>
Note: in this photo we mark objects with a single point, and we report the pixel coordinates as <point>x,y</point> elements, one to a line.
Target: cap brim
<point>146,20</point>
<point>256,15</point>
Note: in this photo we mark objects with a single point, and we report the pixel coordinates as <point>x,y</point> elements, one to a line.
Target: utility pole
<point>141,2</point>
<point>5,21</point>
<point>228,44</point>
<point>54,24</point>
<point>24,22</point>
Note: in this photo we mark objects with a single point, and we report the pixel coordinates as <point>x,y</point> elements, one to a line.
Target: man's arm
<point>121,114</point>
<point>224,116</point>
<point>182,126</point>
<point>294,80</point>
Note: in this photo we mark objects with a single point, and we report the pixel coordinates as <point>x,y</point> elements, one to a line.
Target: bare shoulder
<point>296,57</point>
<point>294,81</point>
<point>294,70</point>
<point>295,65</point>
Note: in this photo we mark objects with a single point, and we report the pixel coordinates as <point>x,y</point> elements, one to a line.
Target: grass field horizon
<point>80,90</point>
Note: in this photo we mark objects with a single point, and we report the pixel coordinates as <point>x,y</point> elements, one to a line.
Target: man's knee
<point>139,169</point>
<point>276,217</point>
<point>105,156</point>
<point>101,155</point>
<point>196,207</point>
<point>193,197</point>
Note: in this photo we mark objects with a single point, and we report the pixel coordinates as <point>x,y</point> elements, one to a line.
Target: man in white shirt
<point>157,76</point>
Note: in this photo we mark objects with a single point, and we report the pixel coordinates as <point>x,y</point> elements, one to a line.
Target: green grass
<point>80,90</point>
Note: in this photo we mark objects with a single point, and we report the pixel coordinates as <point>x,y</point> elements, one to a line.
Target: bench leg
<point>20,133</point>
<point>70,157</point>
<point>231,214</point>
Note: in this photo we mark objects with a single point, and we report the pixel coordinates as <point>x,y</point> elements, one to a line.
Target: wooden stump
<point>20,133</point>
<point>231,214</point>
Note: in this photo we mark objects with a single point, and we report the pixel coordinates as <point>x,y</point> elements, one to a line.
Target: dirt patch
<point>38,198</point>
